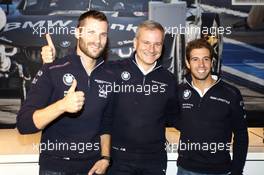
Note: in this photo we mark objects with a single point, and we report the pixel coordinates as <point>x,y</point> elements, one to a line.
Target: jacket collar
<point>76,61</point>
<point>133,59</point>
<point>188,79</point>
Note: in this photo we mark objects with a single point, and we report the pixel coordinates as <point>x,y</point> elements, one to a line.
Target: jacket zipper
<point>201,98</point>
<point>89,76</point>
<point>88,81</point>
<point>144,76</point>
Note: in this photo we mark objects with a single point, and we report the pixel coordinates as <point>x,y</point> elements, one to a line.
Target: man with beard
<point>66,104</point>
<point>211,110</point>
<point>145,100</point>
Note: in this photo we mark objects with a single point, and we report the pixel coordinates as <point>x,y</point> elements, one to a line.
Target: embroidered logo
<point>39,74</point>
<point>187,94</point>
<point>125,75</point>
<point>102,93</point>
<point>68,79</point>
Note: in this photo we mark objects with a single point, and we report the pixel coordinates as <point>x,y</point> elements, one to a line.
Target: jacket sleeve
<point>173,108</point>
<point>107,118</point>
<point>37,98</point>
<point>240,140</point>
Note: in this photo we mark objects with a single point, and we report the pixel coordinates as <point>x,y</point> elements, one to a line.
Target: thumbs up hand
<point>74,100</point>
<point>48,52</point>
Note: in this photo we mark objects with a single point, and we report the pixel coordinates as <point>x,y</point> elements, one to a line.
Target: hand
<point>99,167</point>
<point>74,100</point>
<point>48,52</point>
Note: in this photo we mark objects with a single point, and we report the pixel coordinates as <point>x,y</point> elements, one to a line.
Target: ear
<point>135,42</point>
<point>77,33</point>
<point>187,63</point>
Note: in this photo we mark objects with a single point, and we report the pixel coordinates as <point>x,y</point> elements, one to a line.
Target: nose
<point>152,48</point>
<point>97,39</point>
<point>201,63</point>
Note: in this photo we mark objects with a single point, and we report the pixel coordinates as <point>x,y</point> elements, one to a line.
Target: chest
<point>210,107</point>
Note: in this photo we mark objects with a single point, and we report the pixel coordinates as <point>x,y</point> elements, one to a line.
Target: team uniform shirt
<point>72,136</point>
<point>206,125</point>
<point>142,106</point>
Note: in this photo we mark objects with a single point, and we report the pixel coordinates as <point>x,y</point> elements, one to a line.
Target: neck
<point>87,62</point>
<point>146,67</point>
<point>203,84</point>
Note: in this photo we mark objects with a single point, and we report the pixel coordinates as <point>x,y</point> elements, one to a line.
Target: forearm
<point>43,117</point>
<point>105,145</point>
<point>240,147</point>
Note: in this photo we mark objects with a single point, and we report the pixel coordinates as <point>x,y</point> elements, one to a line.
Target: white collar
<point>141,68</point>
<point>206,89</point>
<point>199,91</point>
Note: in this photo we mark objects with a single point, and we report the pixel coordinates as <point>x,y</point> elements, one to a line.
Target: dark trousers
<point>48,172</point>
<point>138,164</point>
<point>52,165</point>
<point>182,171</point>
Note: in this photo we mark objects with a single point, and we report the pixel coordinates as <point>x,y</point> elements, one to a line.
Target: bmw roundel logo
<point>125,75</point>
<point>65,44</point>
<point>39,73</point>
<point>68,79</point>
<point>187,94</point>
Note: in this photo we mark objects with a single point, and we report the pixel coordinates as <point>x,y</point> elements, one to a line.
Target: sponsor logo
<point>220,99</point>
<point>68,79</point>
<point>125,75</point>
<point>187,94</point>
<point>65,44</point>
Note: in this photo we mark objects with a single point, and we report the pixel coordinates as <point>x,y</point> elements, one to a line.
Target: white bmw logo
<point>125,75</point>
<point>39,73</point>
<point>187,94</point>
<point>68,79</point>
<point>65,44</point>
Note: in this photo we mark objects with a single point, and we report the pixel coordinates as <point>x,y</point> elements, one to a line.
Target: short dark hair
<point>198,44</point>
<point>92,14</point>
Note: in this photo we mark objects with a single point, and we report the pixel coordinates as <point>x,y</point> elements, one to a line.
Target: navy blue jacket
<point>80,131</point>
<point>143,105</point>
<point>208,122</point>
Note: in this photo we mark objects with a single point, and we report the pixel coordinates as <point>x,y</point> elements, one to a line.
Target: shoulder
<point>168,74</point>
<point>59,63</point>
<point>229,89</point>
<point>117,64</point>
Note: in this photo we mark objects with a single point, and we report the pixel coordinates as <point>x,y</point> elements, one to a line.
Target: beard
<point>87,50</point>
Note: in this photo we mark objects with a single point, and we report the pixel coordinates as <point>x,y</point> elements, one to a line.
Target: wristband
<point>106,158</point>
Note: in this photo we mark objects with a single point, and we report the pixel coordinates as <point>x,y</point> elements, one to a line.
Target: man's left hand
<point>99,167</point>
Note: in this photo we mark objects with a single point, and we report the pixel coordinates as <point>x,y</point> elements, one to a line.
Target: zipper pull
<point>88,82</point>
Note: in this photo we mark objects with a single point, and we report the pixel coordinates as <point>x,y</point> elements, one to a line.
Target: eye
<point>146,43</point>
<point>90,32</point>
<point>158,44</point>
<point>194,59</point>
<point>104,35</point>
<point>207,59</point>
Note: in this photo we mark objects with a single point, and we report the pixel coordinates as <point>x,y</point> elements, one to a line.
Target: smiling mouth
<point>201,71</point>
<point>151,55</point>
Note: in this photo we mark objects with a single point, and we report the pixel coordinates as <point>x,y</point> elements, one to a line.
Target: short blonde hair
<point>150,25</point>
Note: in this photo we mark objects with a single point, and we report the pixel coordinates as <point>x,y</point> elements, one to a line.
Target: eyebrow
<point>201,58</point>
<point>151,42</point>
